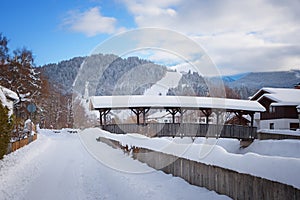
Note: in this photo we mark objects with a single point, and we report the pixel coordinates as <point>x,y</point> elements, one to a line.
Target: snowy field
<point>277,160</point>
<point>59,166</point>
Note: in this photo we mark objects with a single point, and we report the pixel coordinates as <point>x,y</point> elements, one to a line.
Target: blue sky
<point>239,36</point>
<point>38,25</point>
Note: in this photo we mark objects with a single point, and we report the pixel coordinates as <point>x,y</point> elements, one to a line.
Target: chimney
<point>297,86</point>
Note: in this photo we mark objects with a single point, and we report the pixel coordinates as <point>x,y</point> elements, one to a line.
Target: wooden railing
<point>185,130</point>
<point>13,146</point>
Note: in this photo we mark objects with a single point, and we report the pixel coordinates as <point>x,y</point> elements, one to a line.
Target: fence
<point>13,146</point>
<point>224,181</point>
<point>185,130</point>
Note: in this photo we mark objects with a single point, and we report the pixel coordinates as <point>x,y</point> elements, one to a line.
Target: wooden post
<point>100,118</point>
<point>207,113</point>
<point>218,114</point>
<point>173,112</point>
<point>252,118</point>
<point>181,115</point>
<point>103,113</point>
<point>137,112</point>
<point>145,111</point>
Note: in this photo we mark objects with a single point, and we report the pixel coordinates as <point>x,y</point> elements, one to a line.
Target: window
<point>271,125</point>
<point>294,126</point>
<point>271,109</point>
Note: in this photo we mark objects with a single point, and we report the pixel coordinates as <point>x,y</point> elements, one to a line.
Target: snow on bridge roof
<point>184,102</point>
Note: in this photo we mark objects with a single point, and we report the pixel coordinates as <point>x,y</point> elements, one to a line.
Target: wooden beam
<point>145,111</point>
<point>173,112</point>
<point>207,113</point>
<point>101,123</point>
<point>252,119</point>
<point>103,112</point>
<point>138,111</point>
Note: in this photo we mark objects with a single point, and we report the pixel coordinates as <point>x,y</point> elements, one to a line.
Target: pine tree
<point>6,125</point>
<point>3,49</point>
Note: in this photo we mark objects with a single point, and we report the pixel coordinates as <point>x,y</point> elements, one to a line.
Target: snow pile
<point>274,164</point>
<point>29,127</point>
<point>278,148</point>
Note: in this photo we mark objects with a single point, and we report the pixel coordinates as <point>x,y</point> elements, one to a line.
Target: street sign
<point>31,108</point>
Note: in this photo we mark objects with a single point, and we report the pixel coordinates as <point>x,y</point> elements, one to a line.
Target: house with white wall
<point>280,104</point>
<point>163,117</point>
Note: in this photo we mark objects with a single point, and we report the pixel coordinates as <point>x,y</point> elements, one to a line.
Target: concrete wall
<point>223,181</point>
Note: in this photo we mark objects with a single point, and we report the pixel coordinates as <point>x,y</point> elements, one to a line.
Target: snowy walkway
<point>57,166</point>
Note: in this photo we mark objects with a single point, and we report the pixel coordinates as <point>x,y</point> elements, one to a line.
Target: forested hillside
<point>237,86</point>
<point>247,85</point>
<point>106,74</point>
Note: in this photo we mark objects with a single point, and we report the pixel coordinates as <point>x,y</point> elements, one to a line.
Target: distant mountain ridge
<point>235,77</point>
<point>134,75</point>
<point>285,79</point>
<point>247,85</point>
<point>244,84</point>
<point>106,74</point>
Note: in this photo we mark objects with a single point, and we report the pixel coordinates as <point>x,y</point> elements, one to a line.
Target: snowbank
<point>273,164</point>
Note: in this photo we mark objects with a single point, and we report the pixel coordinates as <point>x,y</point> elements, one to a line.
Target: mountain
<point>240,85</point>
<point>250,83</point>
<point>109,74</point>
<point>233,78</point>
<point>105,74</point>
<point>285,79</point>
<point>62,75</point>
<point>191,83</point>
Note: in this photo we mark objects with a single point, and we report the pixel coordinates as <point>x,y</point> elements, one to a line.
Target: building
<point>8,98</point>
<point>280,105</point>
<point>163,117</point>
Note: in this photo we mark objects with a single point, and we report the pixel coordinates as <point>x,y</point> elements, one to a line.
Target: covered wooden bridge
<point>140,105</point>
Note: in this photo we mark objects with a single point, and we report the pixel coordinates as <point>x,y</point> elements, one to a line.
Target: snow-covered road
<point>57,166</point>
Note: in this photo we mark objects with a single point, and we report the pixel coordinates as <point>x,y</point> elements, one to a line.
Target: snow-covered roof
<point>184,102</point>
<point>281,96</point>
<point>7,97</point>
<point>8,93</point>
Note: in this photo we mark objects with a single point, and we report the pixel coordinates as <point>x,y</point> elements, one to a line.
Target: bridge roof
<point>183,102</point>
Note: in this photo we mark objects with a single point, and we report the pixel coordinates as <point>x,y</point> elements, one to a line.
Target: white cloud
<point>90,22</point>
<point>239,36</point>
